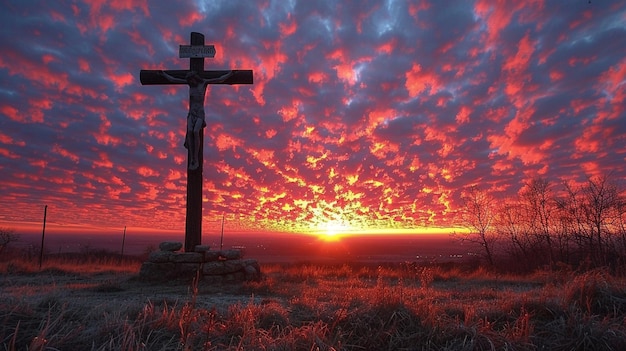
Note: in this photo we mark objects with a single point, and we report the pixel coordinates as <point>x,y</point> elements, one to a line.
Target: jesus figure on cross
<point>195,117</point>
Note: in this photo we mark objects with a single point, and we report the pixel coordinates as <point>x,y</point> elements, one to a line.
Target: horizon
<point>363,118</point>
<point>267,248</point>
<point>36,228</point>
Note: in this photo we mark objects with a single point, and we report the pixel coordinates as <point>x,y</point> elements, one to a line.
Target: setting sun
<point>329,236</point>
<point>331,230</point>
<point>334,229</point>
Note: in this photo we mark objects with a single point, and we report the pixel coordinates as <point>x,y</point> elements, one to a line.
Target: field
<point>100,304</point>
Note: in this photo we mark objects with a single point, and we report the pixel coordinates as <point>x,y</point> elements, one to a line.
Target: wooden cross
<point>197,79</point>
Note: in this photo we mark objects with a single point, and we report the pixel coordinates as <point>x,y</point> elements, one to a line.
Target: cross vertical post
<point>193,217</point>
<point>197,79</point>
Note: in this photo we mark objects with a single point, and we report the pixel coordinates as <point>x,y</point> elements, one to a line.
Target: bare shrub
<point>479,215</point>
<point>597,292</point>
<point>7,236</point>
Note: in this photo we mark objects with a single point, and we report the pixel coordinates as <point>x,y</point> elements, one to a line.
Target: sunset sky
<point>363,116</point>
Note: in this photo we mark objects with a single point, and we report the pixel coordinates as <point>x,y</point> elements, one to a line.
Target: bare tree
<point>7,236</point>
<point>593,215</point>
<point>510,225</point>
<point>478,216</point>
<point>621,228</point>
<point>571,222</point>
<point>602,214</point>
<point>539,208</point>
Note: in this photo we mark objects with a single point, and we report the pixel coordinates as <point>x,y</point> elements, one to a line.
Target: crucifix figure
<point>197,79</point>
<point>195,117</point>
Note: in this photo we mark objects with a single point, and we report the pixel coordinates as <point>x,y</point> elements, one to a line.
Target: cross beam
<point>152,77</point>
<point>193,221</point>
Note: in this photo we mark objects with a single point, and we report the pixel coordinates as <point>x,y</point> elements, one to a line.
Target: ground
<point>111,290</point>
<point>307,306</point>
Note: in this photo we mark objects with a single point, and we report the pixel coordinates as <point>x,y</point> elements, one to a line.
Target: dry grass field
<point>102,305</point>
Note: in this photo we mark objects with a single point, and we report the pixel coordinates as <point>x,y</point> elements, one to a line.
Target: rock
<point>233,277</point>
<point>213,279</point>
<point>146,270</point>
<point>211,256</point>
<point>251,273</point>
<point>251,262</point>
<point>170,246</point>
<point>252,270</point>
<point>160,256</point>
<point>214,268</point>
<point>187,257</point>
<point>201,248</point>
<point>237,276</point>
<point>233,266</point>
<point>160,272</point>
<point>232,254</point>
<point>186,270</point>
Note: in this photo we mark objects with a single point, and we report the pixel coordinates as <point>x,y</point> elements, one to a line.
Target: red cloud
<point>65,153</point>
<point>102,13</point>
<point>318,77</point>
<point>287,29</point>
<point>498,15</point>
<point>121,80</point>
<point>388,47</point>
<point>418,80</point>
<point>103,161</point>
<point>225,141</point>
<point>83,65</point>
<point>12,113</point>
<point>8,154</point>
<point>147,172</point>
<point>463,115</point>
<point>290,112</point>
<point>613,81</point>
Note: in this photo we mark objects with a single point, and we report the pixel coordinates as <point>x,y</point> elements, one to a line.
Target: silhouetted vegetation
<point>7,236</point>
<point>580,226</point>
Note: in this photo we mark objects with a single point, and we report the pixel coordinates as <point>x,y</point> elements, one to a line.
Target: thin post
<point>43,234</point>
<point>123,240</point>
<point>222,237</point>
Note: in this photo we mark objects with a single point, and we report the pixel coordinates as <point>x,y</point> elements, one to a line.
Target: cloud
<point>375,115</point>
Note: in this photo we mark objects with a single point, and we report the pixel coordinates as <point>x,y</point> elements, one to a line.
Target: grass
<point>103,306</point>
<point>100,262</point>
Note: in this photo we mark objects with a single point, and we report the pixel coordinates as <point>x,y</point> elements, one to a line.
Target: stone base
<point>210,266</point>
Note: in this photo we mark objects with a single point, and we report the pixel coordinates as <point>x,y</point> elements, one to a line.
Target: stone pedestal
<point>211,266</point>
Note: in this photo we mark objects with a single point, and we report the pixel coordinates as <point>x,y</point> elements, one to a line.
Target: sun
<point>333,230</point>
<point>330,222</point>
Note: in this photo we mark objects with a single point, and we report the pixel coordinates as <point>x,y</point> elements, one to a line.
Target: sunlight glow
<point>334,228</point>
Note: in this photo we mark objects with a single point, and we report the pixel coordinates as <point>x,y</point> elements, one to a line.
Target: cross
<point>197,79</point>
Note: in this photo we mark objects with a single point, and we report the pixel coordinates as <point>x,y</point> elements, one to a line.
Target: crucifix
<point>198,79</point>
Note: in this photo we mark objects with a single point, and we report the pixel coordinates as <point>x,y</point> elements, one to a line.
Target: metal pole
<point>43,234</point>
<point>222,238</point>
<point>123,240</point>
